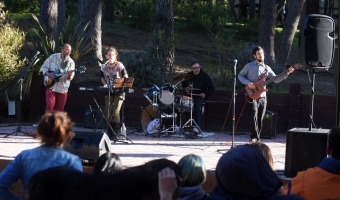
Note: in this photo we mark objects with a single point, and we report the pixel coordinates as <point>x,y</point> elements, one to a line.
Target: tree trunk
<point>252,9</point>
<point>267,27</point>
<point>91,10</point>
<point>232,9</point>
<point>312,6</point>
<point>164,28</point>
<point>289,28</point>
<point>109,10</point>
<point>49,16</point>
<point>61,16</point>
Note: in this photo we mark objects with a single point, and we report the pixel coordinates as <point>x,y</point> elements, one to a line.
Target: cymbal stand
<point>191,120</point>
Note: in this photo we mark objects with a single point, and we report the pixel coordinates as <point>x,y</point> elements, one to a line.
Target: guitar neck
<point>264,83</point>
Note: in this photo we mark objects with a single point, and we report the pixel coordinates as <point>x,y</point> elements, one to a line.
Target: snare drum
<point>167,95</point>
<point>151,94</point>
<point>183,102</point>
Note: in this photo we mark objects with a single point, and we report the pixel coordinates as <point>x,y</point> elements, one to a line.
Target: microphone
<point>38,52</point>
<point>235,61</point>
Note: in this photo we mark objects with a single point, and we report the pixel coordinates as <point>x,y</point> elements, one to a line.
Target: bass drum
<point>149,113</point>
<point>167,95</point>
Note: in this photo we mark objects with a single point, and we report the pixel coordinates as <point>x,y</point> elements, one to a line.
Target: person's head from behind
<point>193,170</point>
<point>265,151</point>
<point>333,149</point>
<point>258,54</point>
<point>244,173</point>
<point>55,128</point>
<point>108,163</point>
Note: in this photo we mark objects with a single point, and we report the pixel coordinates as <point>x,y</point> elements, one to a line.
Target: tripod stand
<point>191,121</point>
<point>20,83</point>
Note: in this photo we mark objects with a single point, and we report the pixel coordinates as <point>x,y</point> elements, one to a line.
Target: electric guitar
<point>48,82</point>
<point>260,86</point>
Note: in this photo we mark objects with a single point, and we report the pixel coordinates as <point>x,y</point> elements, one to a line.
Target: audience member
<point>108,163</point>
<point>323,181</point>
<point>134,183</point>
<point>193,176</point>
<point>167,183</point>
<point>54,129</point>
<point>243,173</point>
<point>265,151</point>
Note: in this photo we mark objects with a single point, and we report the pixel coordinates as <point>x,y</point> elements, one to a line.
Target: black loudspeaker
<point>89,145</point>
<point>304,149</point>
<point>269,125</point>
<point>317,41</point>
<point>93,118</point>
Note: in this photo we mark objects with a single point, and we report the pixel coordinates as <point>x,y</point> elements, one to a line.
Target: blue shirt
<point>253,72</point>
<point>31,161</point>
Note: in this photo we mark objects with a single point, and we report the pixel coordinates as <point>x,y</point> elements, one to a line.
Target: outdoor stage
<point>145,148</point>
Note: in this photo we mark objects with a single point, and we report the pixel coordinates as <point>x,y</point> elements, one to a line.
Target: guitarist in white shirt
<point>250,76</point>
<point>57,88</point>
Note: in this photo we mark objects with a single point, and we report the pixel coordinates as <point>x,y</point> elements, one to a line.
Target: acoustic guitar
<point>260,86</point>
<point>48,82</point>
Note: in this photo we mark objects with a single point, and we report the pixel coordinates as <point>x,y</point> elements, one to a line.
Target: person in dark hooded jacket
<point>243,173</point>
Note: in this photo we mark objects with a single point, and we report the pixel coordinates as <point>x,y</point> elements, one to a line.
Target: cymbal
<point>182,77</point>
<point>193,88</point>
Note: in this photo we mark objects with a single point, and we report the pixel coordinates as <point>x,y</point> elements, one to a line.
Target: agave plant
<point>75,35</point>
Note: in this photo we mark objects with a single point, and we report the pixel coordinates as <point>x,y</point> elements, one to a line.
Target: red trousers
<point>55,100</point>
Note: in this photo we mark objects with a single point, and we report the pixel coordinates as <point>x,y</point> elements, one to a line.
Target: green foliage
<point>12,40</point>
<point>142,65</point>
<point>222,38</point>
<point>138,14</point>
<point>75,35</point>
<point>248,31</point>
<point>22,5</point>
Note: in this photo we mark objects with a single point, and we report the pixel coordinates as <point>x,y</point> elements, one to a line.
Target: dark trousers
<point>197,110</point>
<point>257,114</point>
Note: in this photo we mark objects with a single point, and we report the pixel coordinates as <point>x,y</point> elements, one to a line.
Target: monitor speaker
<point>94,118</point>
<point>304,149</point>
<point>317,41</point>
<point>269,125</point>
<point>89,145</point>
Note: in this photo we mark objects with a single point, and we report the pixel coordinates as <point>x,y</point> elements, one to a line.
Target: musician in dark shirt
<point>249,75</point>
<point>201,87</point>
<point>112,73</point>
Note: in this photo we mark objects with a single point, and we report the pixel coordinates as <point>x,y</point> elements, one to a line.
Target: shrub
<point>12,40</point>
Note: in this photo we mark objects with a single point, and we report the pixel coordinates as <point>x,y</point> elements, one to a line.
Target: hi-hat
<point>182,77</point>
<point>189,88</point>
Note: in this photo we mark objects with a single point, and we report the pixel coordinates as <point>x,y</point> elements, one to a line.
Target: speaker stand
<point>311,121</point>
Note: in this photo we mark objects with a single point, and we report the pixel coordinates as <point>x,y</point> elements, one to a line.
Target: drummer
<point>201,87</point>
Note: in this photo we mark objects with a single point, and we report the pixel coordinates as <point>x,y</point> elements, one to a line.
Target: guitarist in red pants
<point>253,76</point>
<point>58,70</point>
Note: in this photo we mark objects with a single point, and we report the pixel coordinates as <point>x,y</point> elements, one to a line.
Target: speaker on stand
<point>317,42</point>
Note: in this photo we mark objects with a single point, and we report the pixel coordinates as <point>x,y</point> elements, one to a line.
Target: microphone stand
<point>233,110</point>
<point>20,81</point>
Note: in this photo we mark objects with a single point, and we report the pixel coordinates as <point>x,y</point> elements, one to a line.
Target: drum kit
<point>166,103</point>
